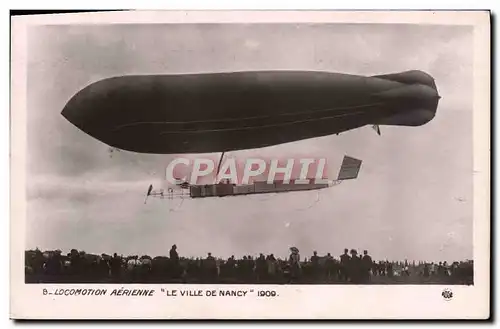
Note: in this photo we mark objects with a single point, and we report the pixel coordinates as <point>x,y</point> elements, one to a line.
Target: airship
<point>228,111</point>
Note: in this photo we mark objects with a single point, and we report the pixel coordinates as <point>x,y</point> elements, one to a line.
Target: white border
<point>338,301</point>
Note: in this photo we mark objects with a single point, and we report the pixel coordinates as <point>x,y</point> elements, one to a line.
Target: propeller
<point>376,128</point>
<point>150,189</point>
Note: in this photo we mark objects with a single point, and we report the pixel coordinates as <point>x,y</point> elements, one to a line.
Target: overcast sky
<point>412,199</point>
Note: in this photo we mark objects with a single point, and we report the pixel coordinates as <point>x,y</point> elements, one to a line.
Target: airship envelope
<point>217,112</point>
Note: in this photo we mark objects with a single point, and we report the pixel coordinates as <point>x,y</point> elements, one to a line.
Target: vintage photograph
<point>230,153</point>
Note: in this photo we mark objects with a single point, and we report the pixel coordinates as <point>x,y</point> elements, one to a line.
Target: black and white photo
<point>233,155</point>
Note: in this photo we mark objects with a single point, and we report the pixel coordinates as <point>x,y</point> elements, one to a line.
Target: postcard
<point>250,165</point>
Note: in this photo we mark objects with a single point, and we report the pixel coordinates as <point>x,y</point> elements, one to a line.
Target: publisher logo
<point>447,294</point>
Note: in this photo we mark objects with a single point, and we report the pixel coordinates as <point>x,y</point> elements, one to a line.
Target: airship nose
<point>71,113</point>
<point>82,109</point>
<point>77,111</point>
<point>74,111</point>
<point>101,108</point>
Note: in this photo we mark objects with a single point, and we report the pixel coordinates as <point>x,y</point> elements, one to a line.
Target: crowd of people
<point>349,267</point>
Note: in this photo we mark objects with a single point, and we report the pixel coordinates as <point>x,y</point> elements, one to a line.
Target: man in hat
<point>329,266</point>
<point>116,268</point>
<point>271,266</point>
<point>315,265</point>
<point>230,267</point>
<point>344,265</point>
<point>174,262</point>
<point>367,266</point>
<point>210,267</point>
<point>261,268</point>
<point>355,267</point>
<point>294,260</point>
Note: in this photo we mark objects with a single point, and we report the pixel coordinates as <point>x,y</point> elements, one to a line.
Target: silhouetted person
<point>390,270</point>
<point>295,267</point>
<point>367,265</point>
<point>315,264</point>
<point>271,266</point>
<point>344,265</point>
<point>329,264</point>
<point>261,268</point>
<point>445,268</point>
<point>174,262</point>
<point>426,270</point>
<point>210,267</point>
<point>104,268</point>
<point>250,266</point>
<point>54,266</point>
<point>355,267</point>
<point>315,258</point>
<point>76,264</point>
<point>116,267</point>
<point>406,270</point>
<point>230,267</point>
<point>174,256</point>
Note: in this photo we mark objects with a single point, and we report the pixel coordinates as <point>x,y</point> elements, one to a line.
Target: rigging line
<point>258,127</point>
<point>220,162</point>
<point>245,118</point>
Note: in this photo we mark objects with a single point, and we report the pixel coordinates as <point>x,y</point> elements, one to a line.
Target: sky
<point>412,199</point>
